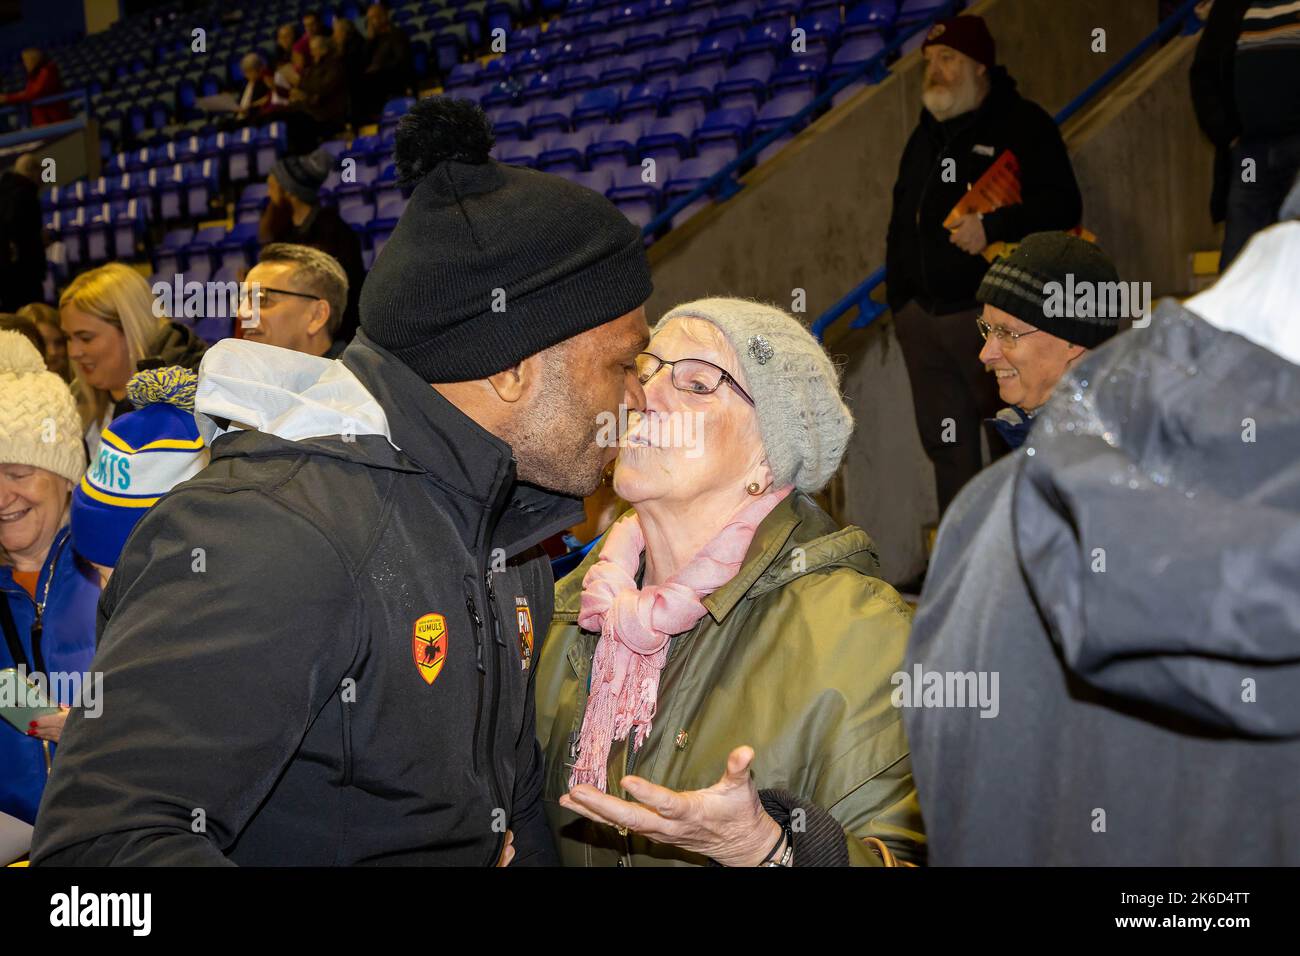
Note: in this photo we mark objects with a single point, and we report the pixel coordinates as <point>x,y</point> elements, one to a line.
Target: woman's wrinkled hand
<point>725,822</point>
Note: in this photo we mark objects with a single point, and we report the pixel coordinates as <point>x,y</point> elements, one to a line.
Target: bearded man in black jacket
<point>319,651</point>
<point>972,116</point>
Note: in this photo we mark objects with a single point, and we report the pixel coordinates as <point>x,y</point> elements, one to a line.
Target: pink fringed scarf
<point>636,623</point>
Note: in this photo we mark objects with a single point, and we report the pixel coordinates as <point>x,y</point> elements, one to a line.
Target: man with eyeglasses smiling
<point>301,293</point>
<point>1028,344</point>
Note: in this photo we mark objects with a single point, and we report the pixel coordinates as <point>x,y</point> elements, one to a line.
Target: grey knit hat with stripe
<point>804,422</point>
<point>1019,284</point>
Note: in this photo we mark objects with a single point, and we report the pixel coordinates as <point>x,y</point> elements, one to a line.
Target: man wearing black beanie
<point>320,649</point>
<point>1045,306</point>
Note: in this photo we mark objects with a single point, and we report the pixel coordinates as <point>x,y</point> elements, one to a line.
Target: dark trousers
<point>952,394</point>
<point>1254,206</point>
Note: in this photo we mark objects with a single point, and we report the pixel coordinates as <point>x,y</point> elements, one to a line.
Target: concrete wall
<point>814,218</point>
<point>1146,172</point>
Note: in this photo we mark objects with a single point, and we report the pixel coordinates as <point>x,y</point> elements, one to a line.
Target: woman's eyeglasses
<point>694,376</point>
<point>1005,336</point>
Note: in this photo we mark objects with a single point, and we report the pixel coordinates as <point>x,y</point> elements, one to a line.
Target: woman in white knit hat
<point>47,595</point>
<point>716,685</point>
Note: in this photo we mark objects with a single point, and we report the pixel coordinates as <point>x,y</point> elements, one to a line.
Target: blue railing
<point>724,181</point>
<point>860,296</point>
<point>24,109</point>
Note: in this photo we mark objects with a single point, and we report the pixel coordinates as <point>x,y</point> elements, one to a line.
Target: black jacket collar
<point>475,467</point>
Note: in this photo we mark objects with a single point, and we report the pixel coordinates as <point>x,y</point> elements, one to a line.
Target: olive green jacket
<point>794,658</point>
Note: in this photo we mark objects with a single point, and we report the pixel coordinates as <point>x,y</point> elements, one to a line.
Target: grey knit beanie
<point>796,388</point>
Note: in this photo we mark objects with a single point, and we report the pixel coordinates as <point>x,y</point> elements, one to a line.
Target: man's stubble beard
<point>555,443</point>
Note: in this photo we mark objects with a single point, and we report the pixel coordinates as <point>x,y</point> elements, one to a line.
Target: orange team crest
<point>524,617</point>
<point>429,645</point>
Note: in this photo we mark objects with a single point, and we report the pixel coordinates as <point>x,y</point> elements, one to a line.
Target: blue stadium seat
<point>799,71</point>
<point>870,16</point>
<point>595,107</point>
<point>645,99</point>
<point>746,83</point>
<point>716,48</point>
<point>690,175</point>
<point>822,29</point>
<point>855,52</point>
<point>550,115</point>
<point>669,58</point>
<point>237,250</point>
<point>566,152</point>
<point>776,112</point>
<point>637,200</point>
<point>728,127</point>
<point>598,180</point>
<point>615,146</point>
<point>668,136</point>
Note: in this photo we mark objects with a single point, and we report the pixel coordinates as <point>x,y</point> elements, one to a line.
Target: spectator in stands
<point>1131,583</point>
<point>284,44</point>
<point>287,77</point>
<point>1030,341</point>
<point>42,80</point>
<point>352,53</point>
<point>1246,93</point>
<point>321,98</point>
<point>312,26</point>
<point>113,332</point>
<point>389,71</point>
<point>674,578</point>
<point>972,115</point>
<point>47,596</point>
<point>257,86</point>
<point>294,214</point>
<point>142,456</point>
<point>301,295</point>
<point>345,508</point>
<point>10,322</point>
<point>22,236</point>
<point>55,347</point>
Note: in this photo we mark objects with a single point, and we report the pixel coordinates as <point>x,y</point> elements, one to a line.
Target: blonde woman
<point>113,332</point>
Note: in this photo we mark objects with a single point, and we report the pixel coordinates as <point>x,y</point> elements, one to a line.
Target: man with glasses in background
<point>301,293</point>
<point>1032,333</point>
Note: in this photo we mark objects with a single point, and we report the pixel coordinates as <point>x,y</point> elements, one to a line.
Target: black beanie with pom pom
<point>491,263</point>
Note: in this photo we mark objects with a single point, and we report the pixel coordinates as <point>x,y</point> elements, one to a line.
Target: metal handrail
<point>868,308</point>
<point>724,179</point>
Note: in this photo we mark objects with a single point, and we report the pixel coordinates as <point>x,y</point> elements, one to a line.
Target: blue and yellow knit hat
<point>142,456</point>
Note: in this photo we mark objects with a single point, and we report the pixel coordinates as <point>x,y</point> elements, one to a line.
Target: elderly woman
<point>716,681</point>
<point>113,331</point>
<point>47,595</point>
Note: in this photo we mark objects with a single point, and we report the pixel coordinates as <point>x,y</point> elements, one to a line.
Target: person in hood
<point>114,330</point>
<point>1045,305</point>
<point>319,647</point>
<point>726,583</point>
<point>972,117</point>
<point>1125,583</point>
